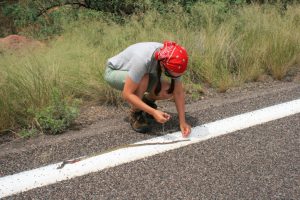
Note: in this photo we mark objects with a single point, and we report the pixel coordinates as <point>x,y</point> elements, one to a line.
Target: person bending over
<point>137,72</point>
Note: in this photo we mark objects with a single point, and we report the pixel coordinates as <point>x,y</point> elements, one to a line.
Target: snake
<point>75,160</point>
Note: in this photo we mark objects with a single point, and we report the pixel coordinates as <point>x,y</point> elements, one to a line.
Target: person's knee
<point>163,94</point>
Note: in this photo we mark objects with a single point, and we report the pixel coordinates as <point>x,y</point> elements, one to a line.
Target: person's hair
<point>158,86</point>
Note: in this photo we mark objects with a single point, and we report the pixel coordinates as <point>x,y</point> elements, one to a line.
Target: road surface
<point>260,162</point>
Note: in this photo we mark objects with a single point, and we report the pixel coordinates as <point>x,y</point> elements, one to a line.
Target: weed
<point>57,117</point>
<point>26,133</point>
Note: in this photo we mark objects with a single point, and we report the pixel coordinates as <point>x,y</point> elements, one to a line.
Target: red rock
<point>18,42</point>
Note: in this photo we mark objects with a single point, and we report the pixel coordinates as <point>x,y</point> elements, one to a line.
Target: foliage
<point>32,18</point>
<point>227,45</point>
<point>56,118</point>
<point>26,133</point>
<point>44,18</point>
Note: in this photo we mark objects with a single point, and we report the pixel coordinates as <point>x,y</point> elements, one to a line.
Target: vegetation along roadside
<point>229,43</point>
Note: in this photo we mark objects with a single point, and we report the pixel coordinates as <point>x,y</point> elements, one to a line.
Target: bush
<point>26,133</point>
<point>57,117</point>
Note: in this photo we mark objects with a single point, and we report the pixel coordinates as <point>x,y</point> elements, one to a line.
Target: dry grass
<point>225,50</point>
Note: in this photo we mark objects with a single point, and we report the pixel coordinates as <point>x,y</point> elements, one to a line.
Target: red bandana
<point>173,56</point>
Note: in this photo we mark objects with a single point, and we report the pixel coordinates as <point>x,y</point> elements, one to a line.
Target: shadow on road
<point>171,126</point>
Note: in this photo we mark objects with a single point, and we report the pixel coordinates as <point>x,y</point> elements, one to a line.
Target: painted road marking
<point>39,177</point>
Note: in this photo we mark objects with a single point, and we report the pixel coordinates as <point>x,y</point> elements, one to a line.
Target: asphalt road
<point>261,162</point>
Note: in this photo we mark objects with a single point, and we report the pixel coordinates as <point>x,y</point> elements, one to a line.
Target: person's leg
<point>150,97</point>
<point>163,94</point>
<point>137,118</point>
<point>116,79</point>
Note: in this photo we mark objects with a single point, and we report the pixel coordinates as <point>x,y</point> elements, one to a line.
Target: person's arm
<point>179,97</point>
<point>129,95</point>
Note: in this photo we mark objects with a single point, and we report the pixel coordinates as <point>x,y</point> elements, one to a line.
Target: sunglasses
<point>168,74</point>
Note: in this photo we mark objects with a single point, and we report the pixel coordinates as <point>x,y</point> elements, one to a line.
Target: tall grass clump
<point>214,49</point>
<point>269,41</point>
<point>244,44</point>
<point>25,83</point>
<point>26,88</point>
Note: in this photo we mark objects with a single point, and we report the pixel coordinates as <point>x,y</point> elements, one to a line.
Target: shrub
<point>57,117</point>
<point>26,133</point>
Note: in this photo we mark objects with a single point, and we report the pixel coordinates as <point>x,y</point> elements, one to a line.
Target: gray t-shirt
<point>138,59</point>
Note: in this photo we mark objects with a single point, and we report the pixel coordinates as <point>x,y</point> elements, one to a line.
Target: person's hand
<point>161,117</point>
<point>185,129</point>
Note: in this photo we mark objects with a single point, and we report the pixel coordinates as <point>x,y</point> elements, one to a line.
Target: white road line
<point>39,177</point>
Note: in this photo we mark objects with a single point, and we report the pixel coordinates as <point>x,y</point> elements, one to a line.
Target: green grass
<point>226,48</point>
